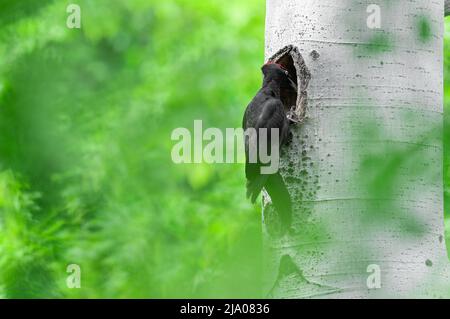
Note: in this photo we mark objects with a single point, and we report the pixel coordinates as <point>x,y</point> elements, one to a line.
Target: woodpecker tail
<point>274,186</point>
<point>280,197</point>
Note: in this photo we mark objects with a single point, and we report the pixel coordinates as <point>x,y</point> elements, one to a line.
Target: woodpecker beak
<point>292,84</point>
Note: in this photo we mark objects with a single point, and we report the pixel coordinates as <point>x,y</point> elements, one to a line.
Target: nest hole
<point>294,100</point>
<point>288,94</point>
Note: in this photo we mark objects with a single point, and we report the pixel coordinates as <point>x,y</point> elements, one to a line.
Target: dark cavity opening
<point>295,101</point>
<point>289,94</point>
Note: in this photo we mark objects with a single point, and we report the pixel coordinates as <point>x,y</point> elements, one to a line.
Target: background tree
<point>365,168</point>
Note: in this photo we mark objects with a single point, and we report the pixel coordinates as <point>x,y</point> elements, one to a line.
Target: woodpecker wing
<point>267,115</point>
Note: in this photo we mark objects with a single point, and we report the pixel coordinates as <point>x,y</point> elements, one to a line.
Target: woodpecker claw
<point>293,84</point>
<point>292,116</point>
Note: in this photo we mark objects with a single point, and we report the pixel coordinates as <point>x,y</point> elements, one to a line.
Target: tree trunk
<point>365,167</point>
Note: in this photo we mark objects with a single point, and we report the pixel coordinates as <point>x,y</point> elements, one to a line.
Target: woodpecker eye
<point>286,72</point>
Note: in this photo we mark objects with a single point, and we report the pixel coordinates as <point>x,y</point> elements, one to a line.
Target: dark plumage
<point>266,110</point>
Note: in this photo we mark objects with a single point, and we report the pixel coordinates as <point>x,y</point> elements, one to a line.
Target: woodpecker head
<point>276,72</point>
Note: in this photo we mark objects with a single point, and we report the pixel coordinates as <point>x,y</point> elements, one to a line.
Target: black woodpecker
<point>267,111</point>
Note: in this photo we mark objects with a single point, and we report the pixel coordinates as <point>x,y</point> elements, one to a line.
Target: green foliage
<point>424,29</point>
<point>447,130</point>
<point>85,122</point>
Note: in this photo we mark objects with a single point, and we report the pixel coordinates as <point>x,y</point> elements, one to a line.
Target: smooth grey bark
<point>365,167</point>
